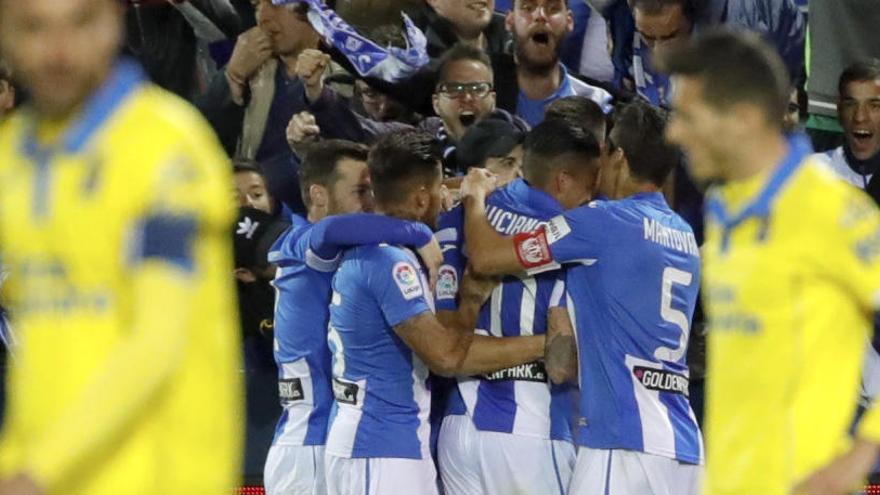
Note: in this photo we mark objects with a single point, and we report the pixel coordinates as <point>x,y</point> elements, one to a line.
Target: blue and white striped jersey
<point>632,279</point>
<point>518,400</point>
<point>380,384</point>
<point>301,314</point>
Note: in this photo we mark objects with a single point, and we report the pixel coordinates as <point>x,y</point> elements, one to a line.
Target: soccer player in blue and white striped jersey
<point>632,276</point>
<point>334,180</point>
<point>509,431</point>
<point>384,338</point>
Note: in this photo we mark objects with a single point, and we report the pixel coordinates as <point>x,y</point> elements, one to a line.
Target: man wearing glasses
<point>463,96</point>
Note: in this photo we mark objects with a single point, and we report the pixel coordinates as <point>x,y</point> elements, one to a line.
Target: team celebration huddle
<point>473,247</point>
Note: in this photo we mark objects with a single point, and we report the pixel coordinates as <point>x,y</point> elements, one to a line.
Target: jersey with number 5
<point>633,278</point>
<point>380,384</point>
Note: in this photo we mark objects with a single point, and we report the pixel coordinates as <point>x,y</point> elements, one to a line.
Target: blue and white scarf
<point>390,64</point>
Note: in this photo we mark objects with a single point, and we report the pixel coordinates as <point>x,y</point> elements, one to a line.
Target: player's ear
<point>318,196</point>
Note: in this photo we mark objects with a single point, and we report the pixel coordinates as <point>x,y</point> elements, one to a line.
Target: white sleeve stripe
<point>558,292</point>
<point>447,235</point>
<point>544,268</point>
<point>315,262</point>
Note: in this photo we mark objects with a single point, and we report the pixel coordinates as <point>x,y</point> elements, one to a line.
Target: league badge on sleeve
<point>447,283</point>
<point>407,280</point>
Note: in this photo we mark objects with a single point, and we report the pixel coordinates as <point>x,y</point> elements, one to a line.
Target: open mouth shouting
<point>540,38</point>
<point>863,143</point>
<point>467,118</point>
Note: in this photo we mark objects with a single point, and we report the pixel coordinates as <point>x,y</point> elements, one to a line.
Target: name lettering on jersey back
<point>661,380</point>
<point>509,223</point>
<point>528,372</point>
<point>668,237</point>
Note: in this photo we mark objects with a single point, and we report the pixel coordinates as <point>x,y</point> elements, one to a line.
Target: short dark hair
<point>242,165</point>
<point>550,140</point>
<point>865,70</point>
<point>653,7</point>
<point>639,131</point>
<point>401,160</point>
<point>578,111</point>
<point>319,166</point>
<point>735,67</point>
<point>459,52</point>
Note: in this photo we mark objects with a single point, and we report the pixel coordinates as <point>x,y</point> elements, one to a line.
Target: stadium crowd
<point>473,244</point>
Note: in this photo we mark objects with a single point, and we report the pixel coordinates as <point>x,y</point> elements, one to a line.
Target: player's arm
<point>487,354</point>
<point>443,347</point>
<point>561,360</point>
<point>331,235</point>
<point>161,279</point>
<point>490,252</point>
<point>560,357</point>
<point>844,475</point>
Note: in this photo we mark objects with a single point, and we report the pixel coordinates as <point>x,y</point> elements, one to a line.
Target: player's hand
<point>21,484</point>
<point>448,198</point>
<point>475,288</point>
<point>302,130</point>
<point>252,49</point>
<point>477,184</point>
<point>432,257</point>
<point>844,474</point>
<point>310,67</point>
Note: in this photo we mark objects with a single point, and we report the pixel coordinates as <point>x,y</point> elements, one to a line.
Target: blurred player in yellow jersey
<point>114,219</point>
<point>791,279</point>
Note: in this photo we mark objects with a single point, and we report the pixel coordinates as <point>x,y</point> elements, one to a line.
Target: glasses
<point>457,90</point>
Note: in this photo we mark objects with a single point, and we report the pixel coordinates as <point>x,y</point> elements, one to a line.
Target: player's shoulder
<point>156,123</point>
<point>291,245</point>
<point>167,113</point>
<point>379,254</point>
<point>379,262</point>
<point>817,185</point>
<point>823,200</point>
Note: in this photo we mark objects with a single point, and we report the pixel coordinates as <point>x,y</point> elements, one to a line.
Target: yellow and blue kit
<point>114,227</point>
<point>791,283</point>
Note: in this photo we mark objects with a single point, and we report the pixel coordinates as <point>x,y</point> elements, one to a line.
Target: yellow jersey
<point>791,280</point>
<point>115,235</point>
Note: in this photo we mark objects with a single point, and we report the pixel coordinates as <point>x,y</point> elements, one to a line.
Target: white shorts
<point>295,470</point>
<point>626,472</point>
<point>380,476</point>
<point>476,462</point>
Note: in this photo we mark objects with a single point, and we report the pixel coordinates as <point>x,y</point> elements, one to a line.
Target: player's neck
<point>539,85</point>
<point>316,215</point>
<point>764,153</point>
<point>631,188</point>
<point>397,212</point>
